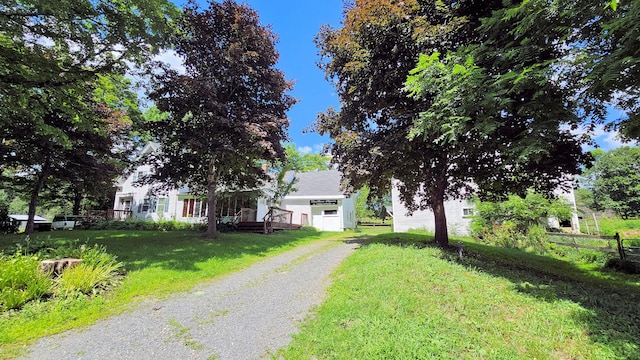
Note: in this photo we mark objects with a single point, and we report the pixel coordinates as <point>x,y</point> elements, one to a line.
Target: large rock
<point>55,266</point>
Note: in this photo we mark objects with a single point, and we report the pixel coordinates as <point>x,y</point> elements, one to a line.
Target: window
<point>194,208</point>
<point>163,206</point>
<point>147,205</point>
<point>331,212</point>
<point>137,175</point>
<point>467,212</point>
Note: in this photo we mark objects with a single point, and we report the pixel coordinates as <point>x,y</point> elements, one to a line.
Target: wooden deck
<point>258,226</point>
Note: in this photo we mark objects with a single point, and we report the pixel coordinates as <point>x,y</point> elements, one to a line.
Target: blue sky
<point>296,23</point>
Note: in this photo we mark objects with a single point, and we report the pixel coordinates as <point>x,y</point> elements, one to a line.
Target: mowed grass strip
<point>156,264</point>
<point>399,298</point>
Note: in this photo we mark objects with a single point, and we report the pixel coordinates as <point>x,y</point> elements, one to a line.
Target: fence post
<point>595,221</point>
<point>586,224</point>
<point>620,248</point>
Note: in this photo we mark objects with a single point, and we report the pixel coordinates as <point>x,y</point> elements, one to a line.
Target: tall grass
<point>399,297</point>
<point>20,281</point>
<point>609,226</point>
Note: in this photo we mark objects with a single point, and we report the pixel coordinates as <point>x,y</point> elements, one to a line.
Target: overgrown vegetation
<point>518,222</point>
<point>23,280</point>
<point>401,297</point>
<point>146,225</point>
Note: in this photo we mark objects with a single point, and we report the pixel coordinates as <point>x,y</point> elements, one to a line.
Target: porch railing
<point>277,216</point>
<point>95,215</point>
<point>245,215</point>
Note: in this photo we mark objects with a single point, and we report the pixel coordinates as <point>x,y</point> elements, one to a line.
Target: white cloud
<point>305,149</point>
<point>170,57</point>
<point>607,140</point>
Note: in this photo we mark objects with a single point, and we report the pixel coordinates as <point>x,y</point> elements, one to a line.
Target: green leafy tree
<point>523,212</point>
<point>362,210</point>
<point>228,112</point>
<point>466,115</point>
<point>87,159</point>
<point>305,162</point>
<point>614,181</point>
<point>606,64</point>
<point>597,42</point>
<point>51,56</point>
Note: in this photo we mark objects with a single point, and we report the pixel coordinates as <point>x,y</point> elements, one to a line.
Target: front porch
<point>276,219</point>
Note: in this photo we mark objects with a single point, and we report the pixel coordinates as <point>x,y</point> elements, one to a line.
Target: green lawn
<point>157,264</point>
<point>398,297</point>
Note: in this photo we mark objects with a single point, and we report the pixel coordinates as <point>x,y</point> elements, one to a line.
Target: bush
<point>7,225</point>
<point>508,235</point>
<point>21,281</point>
<point>87,278</point>
<point>143,225</point>
<point>624,266</point>
<point>98,270</point>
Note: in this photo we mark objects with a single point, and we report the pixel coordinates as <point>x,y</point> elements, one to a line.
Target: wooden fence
<point>609,244</point>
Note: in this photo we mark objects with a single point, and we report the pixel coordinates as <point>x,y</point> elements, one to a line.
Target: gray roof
<point>21,217</point>
<point>318,183</point>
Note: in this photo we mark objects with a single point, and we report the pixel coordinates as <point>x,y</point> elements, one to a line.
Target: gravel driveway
<point>245,315</point>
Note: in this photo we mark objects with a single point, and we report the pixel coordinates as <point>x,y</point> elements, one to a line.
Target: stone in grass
<point>55,266</point>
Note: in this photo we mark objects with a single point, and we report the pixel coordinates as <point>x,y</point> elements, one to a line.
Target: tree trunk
<point>437,206</point>
<point>212,184</point>
<point>35,192</point>
<point>77,201</point>
<point>442,234</point>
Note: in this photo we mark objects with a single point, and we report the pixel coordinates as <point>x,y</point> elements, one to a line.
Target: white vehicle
<point>66,222</point>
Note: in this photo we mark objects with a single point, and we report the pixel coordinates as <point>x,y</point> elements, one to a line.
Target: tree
<point>87,158</point>
<point>304,162</point>
<point>607,61</point>
<point>600,43</point>
<point>614,180</point>
<point>50,58</point>
<point>524,212</point>
<point>469,119</point>
<point>227,113</point>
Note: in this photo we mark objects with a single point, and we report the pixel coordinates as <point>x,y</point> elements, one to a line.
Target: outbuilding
<point>316,200</point>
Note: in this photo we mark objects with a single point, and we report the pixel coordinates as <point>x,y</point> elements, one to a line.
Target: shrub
<point>21,281</point>
<point>87,278</point>
<point>625,266</point>
<point>508,235</point>
<point>98,271</point>
<point>7,225</point>
<point>145,225</point>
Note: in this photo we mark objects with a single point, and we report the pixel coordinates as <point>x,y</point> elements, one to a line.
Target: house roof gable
<point>317,183</point>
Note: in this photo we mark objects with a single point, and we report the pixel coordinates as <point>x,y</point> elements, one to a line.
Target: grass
<point>609,226</point>
<point>399,297</point>
<point>156,263</point>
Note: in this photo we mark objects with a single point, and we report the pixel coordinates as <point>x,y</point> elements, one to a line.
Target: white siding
<point>457,222</point>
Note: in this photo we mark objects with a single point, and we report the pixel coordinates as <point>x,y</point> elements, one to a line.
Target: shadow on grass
<point>612,300</point>
<point>174,250</point>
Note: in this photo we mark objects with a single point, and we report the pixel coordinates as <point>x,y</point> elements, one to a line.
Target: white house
<point>316,201</point>
<point>147,202</point>
<point>459,215</point>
